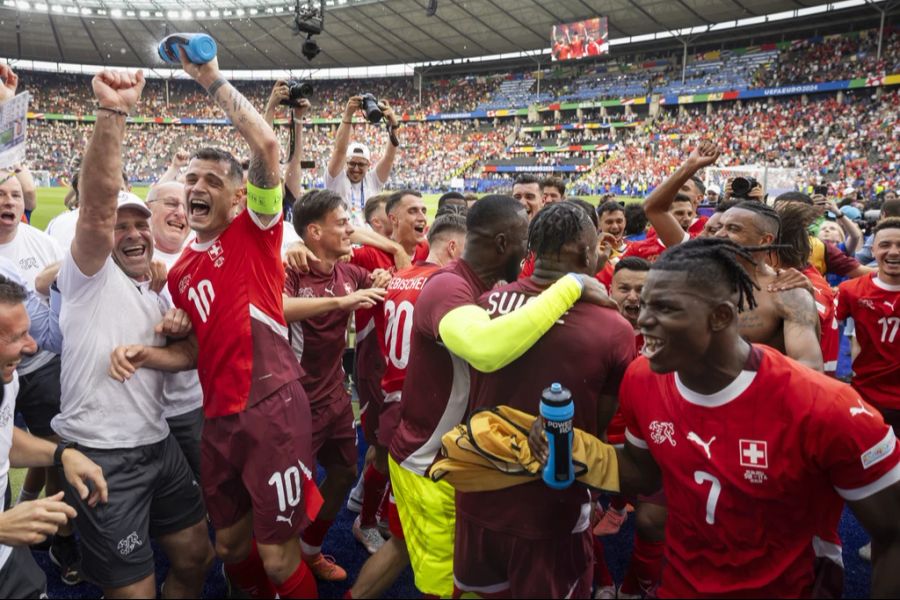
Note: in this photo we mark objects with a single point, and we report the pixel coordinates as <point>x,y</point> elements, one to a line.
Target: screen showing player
<point>583,39</point>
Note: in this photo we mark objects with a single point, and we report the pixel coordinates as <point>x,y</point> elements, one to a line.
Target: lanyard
<point>362,196</point>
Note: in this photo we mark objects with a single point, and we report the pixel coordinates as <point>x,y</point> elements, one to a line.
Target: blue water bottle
<point>199,47</point>
<point>558,411</point>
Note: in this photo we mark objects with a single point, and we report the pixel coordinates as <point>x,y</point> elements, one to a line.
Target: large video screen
<point>584,39</point>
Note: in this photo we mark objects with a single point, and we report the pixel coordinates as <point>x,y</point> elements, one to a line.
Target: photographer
<point>299,106</point>
<point>348,173</point>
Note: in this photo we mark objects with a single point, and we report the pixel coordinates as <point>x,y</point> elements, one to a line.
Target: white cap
<point>357,149</point>
<point>714,188</point>
<point>849,191</point>
<point>129,200</point>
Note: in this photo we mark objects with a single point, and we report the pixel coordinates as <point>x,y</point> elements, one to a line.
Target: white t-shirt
<point>98,314</point>
<point>62,228</point>
<point>31,251</point>
<point>7,416</point>
<point>355,194</point>
<point>181,391</point>
<point>289,237</point>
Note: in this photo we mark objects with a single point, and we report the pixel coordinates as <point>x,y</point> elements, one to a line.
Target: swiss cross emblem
<point>215,251</point>
<point>754,454</point>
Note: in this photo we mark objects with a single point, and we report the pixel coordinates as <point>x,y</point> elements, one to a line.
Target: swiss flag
<point>754,454</point>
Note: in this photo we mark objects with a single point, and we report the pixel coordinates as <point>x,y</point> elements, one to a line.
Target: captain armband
<point>264,201</point>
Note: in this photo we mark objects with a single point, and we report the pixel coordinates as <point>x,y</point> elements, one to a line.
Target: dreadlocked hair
<point>711,262</point>
<point>555,226</point>
<point>766,212</point>
<point>795,247</point>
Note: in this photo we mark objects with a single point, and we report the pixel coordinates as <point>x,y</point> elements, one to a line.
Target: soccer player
<point>182,393</point>
<point>318,304</point>
<point>785,319</point>
<point>349,174</point>
<point>407,214</point>
<point>448,333</point>
<point>446,241</point>
<point>553,189</point>
<point>531,541</point>
<point>682,212</point>
<point>527,191</point>
<point>105,282</point>
<point>874,303</point>
<point>30,522</point>
<point>257,438</point>
<point>376,217</point>
<point>611,217</point>
<point>743,464</point>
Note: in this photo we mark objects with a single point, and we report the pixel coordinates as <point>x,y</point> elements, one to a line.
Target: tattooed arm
<point>797,308</point>
<point>265,172</point>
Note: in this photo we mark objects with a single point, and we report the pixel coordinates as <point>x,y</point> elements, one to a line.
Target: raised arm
<point>383,169</point>
<point>117,94</point>
<point>342,139</point>
<point>264,176</point>
<point>657,205</point>
<point>29,193</point>
<point>179,161</point>
<point>9,81</point>
<point>293,169</point>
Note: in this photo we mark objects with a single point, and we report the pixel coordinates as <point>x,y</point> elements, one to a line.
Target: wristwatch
<point>60,448</point>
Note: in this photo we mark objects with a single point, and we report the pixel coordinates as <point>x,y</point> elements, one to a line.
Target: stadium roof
<point>258,34</point>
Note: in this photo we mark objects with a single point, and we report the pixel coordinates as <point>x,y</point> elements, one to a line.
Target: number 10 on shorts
<point>289,486</point>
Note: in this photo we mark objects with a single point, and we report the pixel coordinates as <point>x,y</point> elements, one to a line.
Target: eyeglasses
<point>170,204</point>
<point>357,165</point>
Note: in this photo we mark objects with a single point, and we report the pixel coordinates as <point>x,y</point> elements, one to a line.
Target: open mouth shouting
<point>8,217</point>
<point>199,208</point>
<point>652,346</point>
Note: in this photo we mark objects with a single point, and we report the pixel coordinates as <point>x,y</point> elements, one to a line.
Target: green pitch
<point>50,203</point>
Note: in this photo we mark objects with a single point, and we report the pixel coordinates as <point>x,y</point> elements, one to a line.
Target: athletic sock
<point>27,496</point>
<point>602,576</point>
<point>250,576</point>
<point>374,483</point>
<point>301,584</point>
<point>312,538</point>
<point>645,570</point>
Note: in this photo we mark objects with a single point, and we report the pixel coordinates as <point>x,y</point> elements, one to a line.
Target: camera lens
<point>370,108</point>
<point>740,186</point>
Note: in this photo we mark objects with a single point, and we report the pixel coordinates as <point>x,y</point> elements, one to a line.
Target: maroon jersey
<point>370,321</point>
<point>321,340</point>
<point>231,288</point>
<point>745,470</point>
<point>875,308</point>
<point>436,392</point>
<point>533,510</point>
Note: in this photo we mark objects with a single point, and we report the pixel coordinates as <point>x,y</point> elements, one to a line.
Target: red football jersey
<point>875,308</point>
<point>399,306</point>
<point>648,249</point>
<point>826,302</point>
<point>745,469</point>
<point>615,431</point>
<point>231,288</point>
<point>369,361</point>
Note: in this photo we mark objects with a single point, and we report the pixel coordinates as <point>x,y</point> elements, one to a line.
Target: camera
<point>821,190</point>
<point>370,108</point>
<point>297,90</point>
<point>741,186</point>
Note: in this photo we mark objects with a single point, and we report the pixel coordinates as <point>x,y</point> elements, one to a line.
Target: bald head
<point>169,224</point>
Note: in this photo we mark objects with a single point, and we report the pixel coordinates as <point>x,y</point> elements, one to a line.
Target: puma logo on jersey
<point>693,437</point>
<point>890,304</point>
<point>661,432</point>
<point>855,411</point>
<point>283,519</point>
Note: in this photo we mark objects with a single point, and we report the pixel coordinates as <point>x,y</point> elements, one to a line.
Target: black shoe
<point>65,555</point>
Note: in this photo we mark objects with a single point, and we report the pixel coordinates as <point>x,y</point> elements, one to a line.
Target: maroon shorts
<point>371,399</point>
<point>334,436</point>
<point>261,460</point>
<point>491,564</point>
